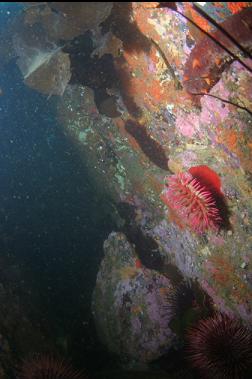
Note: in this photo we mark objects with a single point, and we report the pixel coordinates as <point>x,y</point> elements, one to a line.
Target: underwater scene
<point>125,190</point>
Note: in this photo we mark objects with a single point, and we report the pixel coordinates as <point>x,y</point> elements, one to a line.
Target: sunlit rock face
<point>65,21</point>
<point>164,130</point>
<point>43,64</point>
<point>46,69</point>
<point>78,17</point>
<point>129,304</point>
<point>55,75</point>
<point>41,31</point>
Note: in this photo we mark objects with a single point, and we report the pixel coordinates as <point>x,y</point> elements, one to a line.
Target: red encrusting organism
<point>191,197</point>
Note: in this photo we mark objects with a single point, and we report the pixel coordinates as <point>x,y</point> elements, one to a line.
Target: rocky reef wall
<point>180,107</point>
<point>158,99</point>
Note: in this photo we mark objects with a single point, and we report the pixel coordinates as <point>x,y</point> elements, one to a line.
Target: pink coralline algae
<point>187,124</point>
<point>191,202</point>
<point>215,111</point>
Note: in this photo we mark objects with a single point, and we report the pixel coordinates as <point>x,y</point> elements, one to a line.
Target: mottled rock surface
<point>163,129</point>
<point>135,120</point>
<point>129,304</point>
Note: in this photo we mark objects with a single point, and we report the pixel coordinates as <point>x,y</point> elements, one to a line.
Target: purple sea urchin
<point>221,348</point>
<point>180,299</point>
<point>188,295</point>
<point>48,367</point>
<point>185,305</point>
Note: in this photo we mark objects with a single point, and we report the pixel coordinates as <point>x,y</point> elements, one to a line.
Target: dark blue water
<point>51,224</point>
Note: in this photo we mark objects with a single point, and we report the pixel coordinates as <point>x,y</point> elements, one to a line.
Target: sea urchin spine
<point>48,367</point>
<point>191,201</point>
<point>220,347</point>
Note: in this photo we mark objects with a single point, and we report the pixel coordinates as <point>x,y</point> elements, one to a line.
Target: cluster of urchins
<point>216,345</point>
<point>219,346</point>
